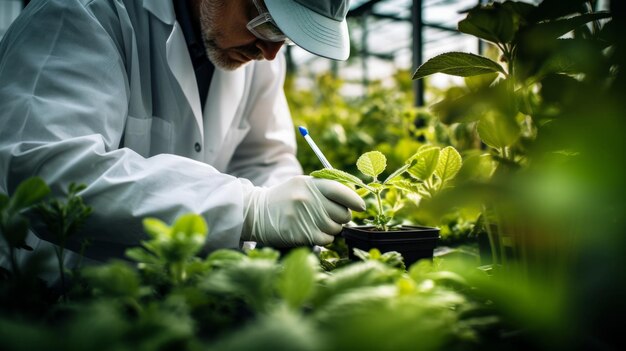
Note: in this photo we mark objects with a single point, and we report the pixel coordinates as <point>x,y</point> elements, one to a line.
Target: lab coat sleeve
<point>266,155</point>
<point>63,106</point>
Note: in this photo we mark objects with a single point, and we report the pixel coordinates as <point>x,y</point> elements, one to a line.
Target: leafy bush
<point>171,298</point>
<point>549,106</point>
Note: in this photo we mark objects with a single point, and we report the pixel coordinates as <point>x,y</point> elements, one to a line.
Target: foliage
<point>172,298</point>
<point>385,119</point>
<point>549,106</point>
<point>392,258</point>
<point>13,220</point>
<point>553,124</point>
<point>546,53</point>
<point>63,219</point>
<point>430,170</point>
<point>254,300</point>
<point>172,250</point>
<point>514,99</point>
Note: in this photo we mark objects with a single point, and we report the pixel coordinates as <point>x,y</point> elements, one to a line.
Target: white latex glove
<point>301,211</point>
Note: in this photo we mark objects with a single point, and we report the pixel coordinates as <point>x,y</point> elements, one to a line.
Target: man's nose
<point>269,49</point>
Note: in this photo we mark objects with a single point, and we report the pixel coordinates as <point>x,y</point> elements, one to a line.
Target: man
<point>114,95</point>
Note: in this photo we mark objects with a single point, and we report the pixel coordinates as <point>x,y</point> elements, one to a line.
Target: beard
<point>209,14</point>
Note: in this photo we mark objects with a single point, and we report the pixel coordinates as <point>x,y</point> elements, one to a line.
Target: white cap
<point>318,26</point>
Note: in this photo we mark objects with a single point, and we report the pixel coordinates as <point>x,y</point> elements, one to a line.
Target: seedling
<point>171,250</point>
<point>430,170</point>
<point>63,218</point>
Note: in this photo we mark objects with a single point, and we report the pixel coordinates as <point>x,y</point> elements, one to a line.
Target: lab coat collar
<point>180,64</point>
<point>177,56</point>
<point>161,9</point>
<point>227,87</point>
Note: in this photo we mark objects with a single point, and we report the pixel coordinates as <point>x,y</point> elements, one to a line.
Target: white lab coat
<point>102,92</point>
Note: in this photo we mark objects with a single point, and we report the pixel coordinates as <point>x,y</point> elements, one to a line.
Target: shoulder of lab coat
<point>63,105</point>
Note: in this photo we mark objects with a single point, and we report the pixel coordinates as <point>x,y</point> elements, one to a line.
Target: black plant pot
<point>413,242</point>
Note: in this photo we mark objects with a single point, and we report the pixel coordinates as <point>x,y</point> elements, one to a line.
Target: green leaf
<point>462,105</point>
<point>363,192</point>
<point>449,164</point>
<point>264,253</point>
<point>375,254</point>
<point>559,89</point>
<point>174,247</point>
<point>15,230</point>
<point>492,22</point>
<point>376,186</point>
<point>191,225</point>
<point>252,280</point>
<point>372,163</point>
<point>521,10</point>
<point>420,270</point>
<point>458,105</point>
<point>156,228</point>
<point>498,130</point>
<point>225,257</point>
<point>139,254</point>
<point>361,254</point>
<point>558,28</point>
<point>279,329</point>
<point>297,280</point>
<point>353,277</point>
<point>404,185</point>
<point>114,279</point>
<point>397,173</point>
<point>28,193</point>
<point>339,176</point>
<point>476,83</point>
<point>553,9</point>
<point>4,201</point>
<point>458,64</point>
<point>393,259</point>
<point>424,163</point>
<point>182,247</point>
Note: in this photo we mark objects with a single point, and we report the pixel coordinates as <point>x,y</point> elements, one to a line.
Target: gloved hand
<point>301,211</point>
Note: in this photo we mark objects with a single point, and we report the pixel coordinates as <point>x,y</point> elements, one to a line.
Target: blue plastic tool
<point>316,150</point>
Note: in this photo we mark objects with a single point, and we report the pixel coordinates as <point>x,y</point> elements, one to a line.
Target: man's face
<point>229,44</point>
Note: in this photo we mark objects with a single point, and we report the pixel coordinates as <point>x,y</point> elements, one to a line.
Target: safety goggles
<point>264,27</point>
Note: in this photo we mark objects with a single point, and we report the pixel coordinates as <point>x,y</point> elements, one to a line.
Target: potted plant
<point>429,171</point>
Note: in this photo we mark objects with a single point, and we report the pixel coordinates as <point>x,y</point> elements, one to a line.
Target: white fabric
<point>102,92</point>
<point>319,27</point>
<point>301,211</point>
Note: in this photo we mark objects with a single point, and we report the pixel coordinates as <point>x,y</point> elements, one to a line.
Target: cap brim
<point>311,31</point>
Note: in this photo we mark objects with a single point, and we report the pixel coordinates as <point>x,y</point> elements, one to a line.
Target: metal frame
<point>367,10</point>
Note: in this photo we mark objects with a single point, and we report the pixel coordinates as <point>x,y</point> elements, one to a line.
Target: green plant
<point>174,298</point>
<point>63,219</point>
<point>547,55</point>
<point>430,170</point>
<point>549,106</point>
<point>543,51</point>
<point>14,222</point>
<point>171,250</point>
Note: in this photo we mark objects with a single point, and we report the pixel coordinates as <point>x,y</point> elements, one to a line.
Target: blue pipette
<point>316,150</point>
